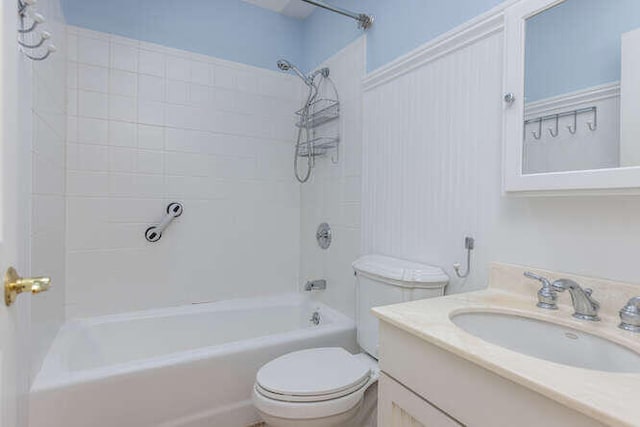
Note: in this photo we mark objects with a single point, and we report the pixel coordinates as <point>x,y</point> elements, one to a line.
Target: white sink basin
<point>549,341</point>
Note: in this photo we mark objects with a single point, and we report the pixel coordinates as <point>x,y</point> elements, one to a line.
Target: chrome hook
<point>37,20</point>
<point>44,36</point>
<point>539,134</point>
<point>557,131</point>
<point>469,244</point>
<point>24,4</point>
<point>50,49</point>
<point>593,126</point>
<point>573,129</point>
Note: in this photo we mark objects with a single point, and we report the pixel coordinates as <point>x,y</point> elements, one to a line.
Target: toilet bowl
<point>320,387</point>
<point>325,387</point>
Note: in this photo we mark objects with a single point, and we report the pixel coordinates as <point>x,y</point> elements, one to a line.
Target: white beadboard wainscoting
<point>332,194</point>
<point>433,168</point>
<point>149,125</point>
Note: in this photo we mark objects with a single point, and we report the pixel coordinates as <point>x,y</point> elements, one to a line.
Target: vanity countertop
<point>611,398</point>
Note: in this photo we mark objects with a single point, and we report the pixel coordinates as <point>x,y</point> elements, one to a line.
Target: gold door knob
<point>14,285</point>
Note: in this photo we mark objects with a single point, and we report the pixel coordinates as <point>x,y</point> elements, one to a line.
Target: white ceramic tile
<point>247,82</point>
<point>151,88</point>
<point>224,77</point>
<point>176,137</point>
<point>151,113</point>
<point>199,95</point>
<point>122,134</point>
<point>93,78</point>
<point>150,137</point>
<point>178,68</point>
<point>123,83</point>
<point>72,128</point>
<point>93,104</point>
<point>72,75</point>
<point>201,73</point>
<point>84,157</point>
<point>122,108</point>
<point>177,92</point>
<point>150,162</point>
<point>93,51</point>
<point>91,184</point>
<point>92,131</point>
<point>72,47</point>
<point>72,102</point>
<point>150,62</point>
<point>122,159</point>
<point>124,57</point>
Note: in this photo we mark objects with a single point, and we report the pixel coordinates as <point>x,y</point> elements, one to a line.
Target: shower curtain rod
<point>364,21</point>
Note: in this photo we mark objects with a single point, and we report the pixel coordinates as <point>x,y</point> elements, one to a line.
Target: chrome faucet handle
<point>547,296</point>
<point>584,305</point>
<point>630,316</point>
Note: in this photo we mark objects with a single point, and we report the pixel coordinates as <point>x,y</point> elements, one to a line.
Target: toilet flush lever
<point>469,244</point>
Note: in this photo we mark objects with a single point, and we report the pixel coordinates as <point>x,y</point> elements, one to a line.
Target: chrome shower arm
<point>364,21</point>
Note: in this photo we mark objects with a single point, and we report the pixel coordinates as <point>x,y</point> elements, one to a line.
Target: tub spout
<point>315,285</point>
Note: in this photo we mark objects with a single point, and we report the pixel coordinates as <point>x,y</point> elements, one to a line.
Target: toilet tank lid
<point>400,270</point>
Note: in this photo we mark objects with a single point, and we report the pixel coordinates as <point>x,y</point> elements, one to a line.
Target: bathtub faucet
<point>315,285</point>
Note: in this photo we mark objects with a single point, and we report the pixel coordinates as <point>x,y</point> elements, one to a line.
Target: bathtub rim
<point>53,375</point>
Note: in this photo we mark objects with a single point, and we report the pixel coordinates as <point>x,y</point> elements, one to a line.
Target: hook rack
<point>29,22</point>
<point>573,129</point>
<point>469,244</point>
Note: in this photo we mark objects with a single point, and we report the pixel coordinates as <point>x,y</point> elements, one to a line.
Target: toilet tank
<point>384,280</point>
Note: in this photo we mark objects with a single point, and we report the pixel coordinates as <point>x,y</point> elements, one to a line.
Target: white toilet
<point>323,387</point>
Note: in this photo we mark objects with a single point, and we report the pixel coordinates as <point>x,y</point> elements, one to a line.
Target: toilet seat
<point>315,383</point>
<point>313,375</point>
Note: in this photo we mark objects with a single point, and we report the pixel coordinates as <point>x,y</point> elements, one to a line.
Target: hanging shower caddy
<point>312,119</point>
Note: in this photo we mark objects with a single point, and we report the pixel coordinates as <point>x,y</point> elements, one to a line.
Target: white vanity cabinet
<point>400,407</point>
<point>424,385</point>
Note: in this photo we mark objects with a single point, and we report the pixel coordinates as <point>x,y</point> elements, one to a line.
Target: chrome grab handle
<point>154,233</point>
<point>630,316</point>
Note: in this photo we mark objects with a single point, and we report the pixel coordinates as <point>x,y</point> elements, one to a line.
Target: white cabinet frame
<point>600,181</point>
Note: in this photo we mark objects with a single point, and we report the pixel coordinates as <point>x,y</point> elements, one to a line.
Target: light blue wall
<point>238,31</point>
<point>576,45</point>
<point>229,29</point>
<point>400,26</point>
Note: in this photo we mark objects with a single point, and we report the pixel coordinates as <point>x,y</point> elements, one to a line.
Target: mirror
<point>582,87</point>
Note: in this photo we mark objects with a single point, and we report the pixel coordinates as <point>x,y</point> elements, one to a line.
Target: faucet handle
<point>630,316</point>
<point>547,295</point>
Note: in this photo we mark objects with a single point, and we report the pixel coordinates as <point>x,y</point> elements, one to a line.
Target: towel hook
<point>469,244</point>
<point>593,126</point>
<point>539,134</point>
<point>557,131</point>
<point>573,129</point>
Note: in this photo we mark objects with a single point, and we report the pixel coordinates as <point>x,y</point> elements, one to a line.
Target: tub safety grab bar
<point>154,233</point>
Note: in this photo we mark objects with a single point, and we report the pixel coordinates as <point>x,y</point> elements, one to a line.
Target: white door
<point>14,219</point>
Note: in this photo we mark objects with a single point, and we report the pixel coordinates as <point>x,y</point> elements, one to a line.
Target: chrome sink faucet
<point>585,307</point>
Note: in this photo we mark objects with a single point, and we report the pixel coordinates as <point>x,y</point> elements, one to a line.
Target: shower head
<point>285,65</point>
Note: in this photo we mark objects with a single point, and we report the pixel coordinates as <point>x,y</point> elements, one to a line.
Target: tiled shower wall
<point>149,125</point>
<point>333,193</point>
<point>47,131</point>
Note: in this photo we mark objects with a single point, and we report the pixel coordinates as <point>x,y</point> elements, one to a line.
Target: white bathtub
<point>191,366</point>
